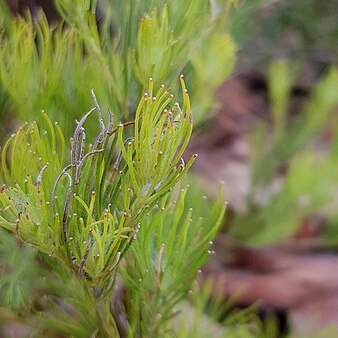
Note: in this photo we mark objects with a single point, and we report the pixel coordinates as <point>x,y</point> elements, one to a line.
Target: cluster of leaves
<point>87,214</point>
<point>296,144</point>
<point>54,66</point>
<point>176,242</point>
<point>102,198</point>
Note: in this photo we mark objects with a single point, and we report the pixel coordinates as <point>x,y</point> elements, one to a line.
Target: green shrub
<point>54,66</point>
<point>85,210</point>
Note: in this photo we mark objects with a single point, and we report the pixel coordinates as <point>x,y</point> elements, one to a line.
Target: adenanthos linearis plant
<point>87,213</point>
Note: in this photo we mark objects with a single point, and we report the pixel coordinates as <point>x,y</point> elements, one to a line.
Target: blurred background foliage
<point>291,45</point>
<point>303,30</point>
<point>53,66</point>
<point>298,156</point>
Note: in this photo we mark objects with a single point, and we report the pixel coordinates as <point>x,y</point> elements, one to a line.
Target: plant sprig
<point>88,212</point>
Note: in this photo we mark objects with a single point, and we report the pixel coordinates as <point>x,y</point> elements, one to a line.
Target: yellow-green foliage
<point>110,202</point>
<point>87,212</point>
<point>175,242</point>
<point>54,66</point>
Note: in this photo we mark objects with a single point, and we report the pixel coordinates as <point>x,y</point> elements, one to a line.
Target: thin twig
<point>100,138</point>
<point>63,172</point>
<point>83,144</point>
<point>39,177</point>
<point>66,209</point>
<point>78,130</point>
<point>119,126</point>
